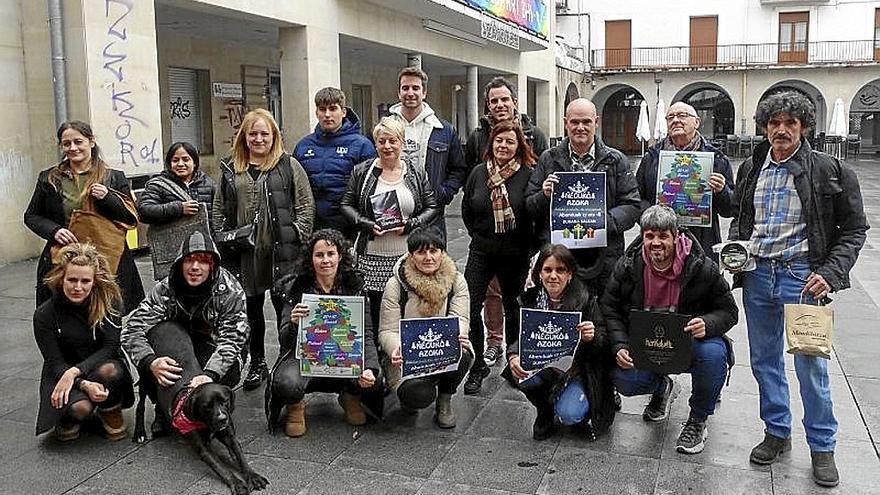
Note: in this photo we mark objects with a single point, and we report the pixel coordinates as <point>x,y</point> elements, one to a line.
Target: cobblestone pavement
<point>491,450</point>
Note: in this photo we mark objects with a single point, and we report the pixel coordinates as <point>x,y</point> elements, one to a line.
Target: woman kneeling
<point>326,269</point>
<point>77,331</point>
<point>425,284</point>
<point>584,394</point>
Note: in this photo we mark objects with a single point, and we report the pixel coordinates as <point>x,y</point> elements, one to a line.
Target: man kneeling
<point>666,270</point>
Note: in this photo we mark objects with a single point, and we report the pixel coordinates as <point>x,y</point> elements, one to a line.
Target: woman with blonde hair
<point>265,201</point>
<point>77,331</point>
<point>81,180</point>
<point>379,249</point>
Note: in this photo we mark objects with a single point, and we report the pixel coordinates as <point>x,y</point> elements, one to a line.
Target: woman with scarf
<point>425,284</point>
<point>584,394</point>
<point>494,212</point>
<point>326,269</point>
<point>77,331</point>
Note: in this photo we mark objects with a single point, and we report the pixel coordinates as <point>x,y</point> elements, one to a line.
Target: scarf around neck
<point>694,145</point>
<point>505,220</point>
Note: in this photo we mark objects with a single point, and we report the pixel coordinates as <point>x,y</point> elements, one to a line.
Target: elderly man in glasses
<point>683,126</point>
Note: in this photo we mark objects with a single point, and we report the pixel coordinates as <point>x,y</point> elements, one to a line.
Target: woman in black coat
<point>80,178</point>
<point>77,331</point>
<point>326,269</point>
<point>494,212</point>
<point>583,395</point>
<point>179,189</point>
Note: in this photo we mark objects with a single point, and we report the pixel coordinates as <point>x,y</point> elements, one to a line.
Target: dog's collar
<point>180,421</point>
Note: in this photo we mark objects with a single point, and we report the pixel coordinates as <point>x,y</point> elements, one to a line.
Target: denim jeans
<point>708,371</point>
<point>765,292</point>
<point>571,406</point>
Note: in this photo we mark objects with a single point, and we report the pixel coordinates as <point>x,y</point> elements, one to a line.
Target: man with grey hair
<point>666,270</point>
<point>802,212</point>
<point>684,135</point>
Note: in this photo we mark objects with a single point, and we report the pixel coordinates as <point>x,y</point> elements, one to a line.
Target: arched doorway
<point>571,94</point>
<point>713,105</point>
<point>806,89</point>
<point>864,117</point>
<point>620,116</point>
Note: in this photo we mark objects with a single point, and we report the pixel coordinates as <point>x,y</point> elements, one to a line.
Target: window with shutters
<point>190,107</point>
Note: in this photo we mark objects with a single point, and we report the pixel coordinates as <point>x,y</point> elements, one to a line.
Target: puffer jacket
<point>161,203</point>
<point>478,140</point>
<point>452,302</point>
<point>291,205</point>
<point>329,157</point>
<point>358,210</point>
<point>832,207</point>
<point>703,293</point>
<point>219,315</point>
<point>722,202</point>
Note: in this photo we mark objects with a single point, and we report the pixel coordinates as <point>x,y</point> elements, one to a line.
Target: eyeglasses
<point>679,116</point>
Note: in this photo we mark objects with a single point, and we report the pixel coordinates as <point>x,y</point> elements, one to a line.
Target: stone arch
<point>806,89</point>
<point>714,106</point>
<point>618,104</point>
<point>571,94</point>
<point>864,116</point>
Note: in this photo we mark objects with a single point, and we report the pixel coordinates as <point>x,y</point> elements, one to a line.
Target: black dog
<point>199,414</point>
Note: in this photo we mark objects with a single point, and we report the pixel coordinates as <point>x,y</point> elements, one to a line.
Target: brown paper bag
<point>808,329</point>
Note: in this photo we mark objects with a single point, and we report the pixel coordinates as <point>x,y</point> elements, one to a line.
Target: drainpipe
<point>56,42</point>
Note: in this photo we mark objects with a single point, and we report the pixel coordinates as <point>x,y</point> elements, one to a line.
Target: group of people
<point>304,223</point>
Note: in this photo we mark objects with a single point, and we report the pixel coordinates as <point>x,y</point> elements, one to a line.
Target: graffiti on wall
<point>233,113</point>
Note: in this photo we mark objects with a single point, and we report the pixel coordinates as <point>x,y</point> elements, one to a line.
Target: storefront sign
<point>868,99</point>
<point>499,32</point>
<point>226,90</point>
<point>531,15</point>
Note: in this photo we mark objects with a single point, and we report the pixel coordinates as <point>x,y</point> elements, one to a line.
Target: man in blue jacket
<point>329,154</point>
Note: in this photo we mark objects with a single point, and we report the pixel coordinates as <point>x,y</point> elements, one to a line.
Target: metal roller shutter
<point>184,105</point>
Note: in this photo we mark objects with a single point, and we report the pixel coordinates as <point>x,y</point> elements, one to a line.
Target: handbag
<point>166,238</point>
<point>809,329</point>
<point>108,236</point>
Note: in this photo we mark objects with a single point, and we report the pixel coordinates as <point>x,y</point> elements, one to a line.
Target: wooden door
<point>877,35</point>
<point>704,40</point>
<point>618,43</point>
<point>794,30</point>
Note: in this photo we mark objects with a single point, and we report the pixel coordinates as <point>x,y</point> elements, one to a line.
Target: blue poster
<point>547,338</point>
<point>429,346</point>
<point>577,210</point>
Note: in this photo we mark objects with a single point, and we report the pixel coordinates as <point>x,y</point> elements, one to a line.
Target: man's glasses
<point>679,116</point>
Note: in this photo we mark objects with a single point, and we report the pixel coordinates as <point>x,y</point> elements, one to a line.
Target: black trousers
<point>481,268</point>
<point>289,386</point>
<point>419,393</point>
<point>257,322</point>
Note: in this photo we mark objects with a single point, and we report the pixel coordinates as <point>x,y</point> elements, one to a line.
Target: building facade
<point>146,73</point>
<point>723,57</point>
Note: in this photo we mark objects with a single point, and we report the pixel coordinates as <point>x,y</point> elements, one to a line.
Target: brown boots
<point>295,421</point>
<point>114,424</point>
<point>354,413</point>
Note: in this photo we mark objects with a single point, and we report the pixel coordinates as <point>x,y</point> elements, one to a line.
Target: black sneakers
<point>493,352</point>
<point>475,380</point>
<point>824,469</point>
<point>692,439</point>
<point>769,449</point>
<point>257,373</point>
<point>658,408</point>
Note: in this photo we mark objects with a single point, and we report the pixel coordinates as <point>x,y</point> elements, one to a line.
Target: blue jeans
<point>708,371</point>
<point>571,406</point>
<point>765,292</point>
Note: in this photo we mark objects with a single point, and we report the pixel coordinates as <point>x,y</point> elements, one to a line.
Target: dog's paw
<point>239,487</point>
<point>256,481</point>
<point>139,437</point>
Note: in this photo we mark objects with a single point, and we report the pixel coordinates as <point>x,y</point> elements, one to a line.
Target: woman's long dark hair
<point>346,275</point>
<point>524,153</point>
<point>190,150</point>
<point>562,255</point>
<point>99,167</point>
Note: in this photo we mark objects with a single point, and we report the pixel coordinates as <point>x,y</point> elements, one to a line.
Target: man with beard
<point>802,212</point>
<point>667,271</point>
<point>501,105</point>
<point>684,135</point>
<point>431,142</point>
<point>208,303</point>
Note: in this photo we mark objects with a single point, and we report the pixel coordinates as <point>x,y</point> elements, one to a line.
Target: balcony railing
<point>734,56</point>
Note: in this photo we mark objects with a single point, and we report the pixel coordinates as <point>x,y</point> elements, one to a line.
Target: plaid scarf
<point>504,219</point>
<point>694,145</point>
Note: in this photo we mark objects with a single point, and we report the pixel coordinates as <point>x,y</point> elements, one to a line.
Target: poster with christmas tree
<point>683,185</point>
<point>331,337</point>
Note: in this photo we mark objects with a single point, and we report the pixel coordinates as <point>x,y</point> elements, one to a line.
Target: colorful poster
<point>683,185</point>
<point>429,346</point>
<point>577,210</point>
<point>331,338</point>
<point>386,210</point>
<point>547,338</point>
<point>531,15</point>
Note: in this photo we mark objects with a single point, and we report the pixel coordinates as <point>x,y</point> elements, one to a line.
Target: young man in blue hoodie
<point>329,154</point>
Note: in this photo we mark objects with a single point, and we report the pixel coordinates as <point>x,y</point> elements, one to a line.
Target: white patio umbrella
<point>660,121</point>
<point>643,129</point>
<point>838,125</point>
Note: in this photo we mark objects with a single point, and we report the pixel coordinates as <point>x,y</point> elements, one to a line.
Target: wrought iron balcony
<point>814,53</point>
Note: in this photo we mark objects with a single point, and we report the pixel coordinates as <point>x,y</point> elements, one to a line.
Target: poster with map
<point>331,337</point>
<point>683,185</point>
